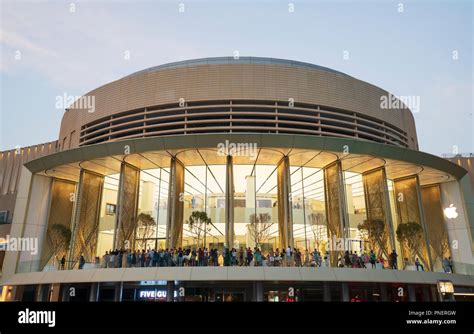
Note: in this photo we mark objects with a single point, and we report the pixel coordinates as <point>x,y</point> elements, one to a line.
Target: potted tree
<point>145,229</point>
<point>410,236</point>
<point>259,228</point>
<point>198,224</point>
<point>376,234</point>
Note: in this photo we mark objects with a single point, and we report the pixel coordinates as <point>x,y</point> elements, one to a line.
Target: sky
<point>422,49</point>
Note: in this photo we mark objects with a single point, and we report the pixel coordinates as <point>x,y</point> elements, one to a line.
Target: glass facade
<point>332,212</point>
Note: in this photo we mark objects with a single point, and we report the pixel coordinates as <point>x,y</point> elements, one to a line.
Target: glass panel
<point>309,215</point>
<point>356,210</point>
<point>108,215</point>
<point>152,209</point>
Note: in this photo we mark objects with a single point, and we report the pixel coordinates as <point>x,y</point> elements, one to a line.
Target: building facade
<point>276,154</point>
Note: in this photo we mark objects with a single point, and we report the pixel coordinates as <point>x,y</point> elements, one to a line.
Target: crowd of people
<point>183,257</point>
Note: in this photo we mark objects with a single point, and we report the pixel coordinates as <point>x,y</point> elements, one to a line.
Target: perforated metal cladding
<point>87,217</point>
<point>127,206</point>
<point>241,116</point>
<point>334,206</point>
<point>376,208</point>
<point>408,210</point>
<point>60,212</point>
<point>436,228</point>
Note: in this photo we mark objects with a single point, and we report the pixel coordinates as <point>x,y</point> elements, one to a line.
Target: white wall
<point>458,228</point>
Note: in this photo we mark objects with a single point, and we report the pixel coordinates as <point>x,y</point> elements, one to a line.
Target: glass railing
<point>34,266</point>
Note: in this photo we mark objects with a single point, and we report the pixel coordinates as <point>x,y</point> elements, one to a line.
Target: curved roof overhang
<point>303,150</point>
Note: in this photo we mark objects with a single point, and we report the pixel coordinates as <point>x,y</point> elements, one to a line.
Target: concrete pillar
<point>94,292</point>
<point>285,220</point>
<point>174,230</point>
<point>229,203</point>
<point>54,292</point>
<point>118,291</point>
<point>39,293</point>
<point>411,293</point>
<point>383,292</point>
<point>65,293</point>
<point>326,292</point>
<point>257,292</point>
<point>170,291</point>
<point>345,292</point>
<point>426,294</point>
<point>17,292</point>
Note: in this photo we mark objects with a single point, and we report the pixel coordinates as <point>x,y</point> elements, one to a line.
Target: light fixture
<point>445,287</point>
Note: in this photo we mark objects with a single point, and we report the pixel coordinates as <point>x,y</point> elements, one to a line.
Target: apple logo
<point>450,212</point>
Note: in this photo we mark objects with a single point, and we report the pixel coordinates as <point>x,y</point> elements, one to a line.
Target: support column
<point>86,219</point>
<point>345,292</point>
<point>383,292</point>
<point>426,294</point>
<point>336,211</point>
<point>174,229</point>
<point>54,292</point>
<point>16,293</point>
<point>39,293</point>
<point>127,207</point>
<point>229,203</point>
<point>326,292</point>
<point>94,292</point>
<point>411,293</point>
<point>170,291</point>
<point>65,294</point>
<point>118,292</point>
<point>285,220</point>
<point>257,292</point>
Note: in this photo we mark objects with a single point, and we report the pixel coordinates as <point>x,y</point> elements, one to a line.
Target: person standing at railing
<point>393,260</point>
<point>372,258</point>
<point>446,265</point>
<point>419,265</point>
<point>63,262</point>
<point>82,261</point>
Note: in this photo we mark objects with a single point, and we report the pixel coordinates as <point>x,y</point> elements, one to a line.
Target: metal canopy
<point>148,153</point>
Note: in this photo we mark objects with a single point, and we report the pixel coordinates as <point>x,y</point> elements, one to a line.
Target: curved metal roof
<point>232,60</point>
